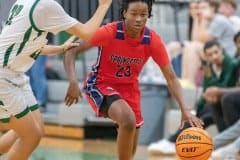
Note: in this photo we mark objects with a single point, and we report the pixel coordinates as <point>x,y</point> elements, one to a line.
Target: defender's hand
<point>73,94</point>
<point>67,46</point>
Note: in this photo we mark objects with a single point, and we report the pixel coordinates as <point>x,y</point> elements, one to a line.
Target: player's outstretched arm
<point>69,59</point>
<point>55,49</point>
<point>176,89</point>
<point>86,30</point>
<point>73,93</point>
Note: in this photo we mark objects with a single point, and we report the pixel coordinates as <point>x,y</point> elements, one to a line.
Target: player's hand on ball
<point>194,121</point>
<point>73,94</point>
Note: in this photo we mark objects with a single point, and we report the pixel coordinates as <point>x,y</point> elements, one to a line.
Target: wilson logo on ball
<point>188,136</point>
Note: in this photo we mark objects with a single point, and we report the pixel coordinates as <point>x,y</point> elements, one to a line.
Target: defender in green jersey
<point>22,39</point>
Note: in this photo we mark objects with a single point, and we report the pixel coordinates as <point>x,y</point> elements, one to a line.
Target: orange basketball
<point>194,144</point>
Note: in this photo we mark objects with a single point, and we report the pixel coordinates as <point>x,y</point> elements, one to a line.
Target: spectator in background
<point>193,12</point>
<point>228,8</point>
<point>213,94</point>
<point>227,143</point>
<point>175,48</point>
<point>230,114</point>
<point>219,70</point>
<point>205,28</point>
<point>224,102</point>
<point>222,72</point>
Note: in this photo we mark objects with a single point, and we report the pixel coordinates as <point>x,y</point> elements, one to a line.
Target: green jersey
<point>24,33</point>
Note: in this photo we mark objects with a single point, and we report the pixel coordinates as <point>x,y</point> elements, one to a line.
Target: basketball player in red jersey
<point>112,87</point>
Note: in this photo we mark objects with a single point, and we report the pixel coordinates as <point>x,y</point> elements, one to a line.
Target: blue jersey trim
<point>120,34</point>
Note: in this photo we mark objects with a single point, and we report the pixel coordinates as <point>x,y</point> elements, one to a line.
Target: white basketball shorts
<point>16,96</point>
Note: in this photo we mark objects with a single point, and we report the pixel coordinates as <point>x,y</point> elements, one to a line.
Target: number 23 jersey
<point>120,57</point>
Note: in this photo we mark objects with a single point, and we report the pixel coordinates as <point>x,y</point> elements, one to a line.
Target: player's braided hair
<point>125,3</point>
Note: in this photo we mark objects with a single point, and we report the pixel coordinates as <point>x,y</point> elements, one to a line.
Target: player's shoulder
<point>155,38</point>
<point>49,4</point>
<point>109,28</point>
<point>111,25</point>
<point>153,33</point>
<point>53,2</point>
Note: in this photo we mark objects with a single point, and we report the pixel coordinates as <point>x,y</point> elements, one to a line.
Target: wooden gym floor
<point>69,143</point>
<point>52,148</point>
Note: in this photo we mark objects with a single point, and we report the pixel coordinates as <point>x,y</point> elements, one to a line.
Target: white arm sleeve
<point>50,16</point>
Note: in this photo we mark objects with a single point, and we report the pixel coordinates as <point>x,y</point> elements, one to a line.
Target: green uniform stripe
<point>5,120</point>
<point>31,16</point>
<point>25,39</point>
<point>35,54</point>
<point>22,114</point>
<point>1,103</point>
<point>7,55</point>
<point>14,12</point>
<point>34,107</point>
<point>39,34</point>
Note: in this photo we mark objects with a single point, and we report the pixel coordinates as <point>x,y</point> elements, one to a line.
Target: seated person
<point>205,28</point>
<point>229,9</point>
<point>219,70</point>
<point>227,143</point>
<point>175,52</point>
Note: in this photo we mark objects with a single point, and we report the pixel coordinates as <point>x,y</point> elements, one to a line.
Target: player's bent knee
<point>128,123</point>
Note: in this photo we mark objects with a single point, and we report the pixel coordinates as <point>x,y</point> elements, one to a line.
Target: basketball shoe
<point>163,146</point>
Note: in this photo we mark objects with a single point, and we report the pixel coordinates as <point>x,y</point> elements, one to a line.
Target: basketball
<point>194,143</point>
